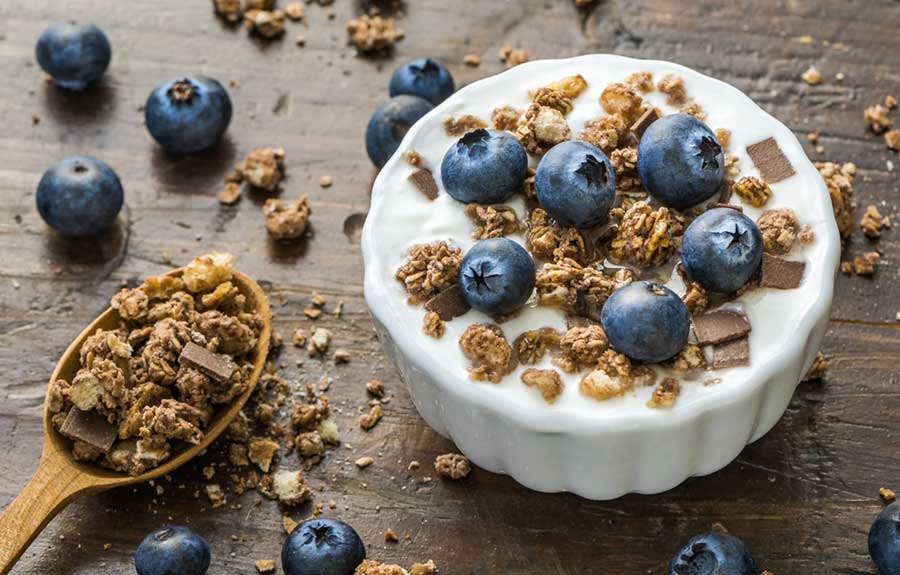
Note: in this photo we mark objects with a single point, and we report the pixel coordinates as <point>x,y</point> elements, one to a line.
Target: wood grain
<point>803,496</point>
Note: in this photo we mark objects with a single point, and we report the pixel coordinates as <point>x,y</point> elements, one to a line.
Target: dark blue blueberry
<point>73,55</point>
<point>79,196</point>
<point>721,250</point>
<point>425,78</point>
<point>322,547</point>
<point>680,161</point>
<point>714,554</point>
<point>646,321</point>
<point>497,276</point>
<point>389,123</point>
<point>188,114</point>
<point>576,184</point>
<point>884,540</point>
<point>173,550</point>
<point>484,167</point>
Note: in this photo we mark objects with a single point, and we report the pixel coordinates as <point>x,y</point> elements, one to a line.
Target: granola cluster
<point>646,237</point>
<point>839,179</point>
<point>429,269</point>
<point>492,221</point>
<point>580,289</point>
<point>547,240</point>
<point>286,222</point>
<point>779,230</point>
<point>491,355</point>
<point>373,33</point>
<point>135,376</point>
<point>752,190</point>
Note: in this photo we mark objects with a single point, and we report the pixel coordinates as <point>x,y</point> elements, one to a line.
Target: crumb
<point>846,268</point>
<point>813,137</point>
<point>472,60</point>
<point>263,168</point>
<point>427,568</point>
<point>506,118</point>
<point>261,452</point>
<point>887,495</point>
<point>230,194</point>
<point>452,465</point>
<point>299,337</point>
<point>752,190</point>
<point>390,536</point>
<point>413,158</point>
<point>341,355</point>
<point>290,487</point>
<point>375,388</point>
<point>646,237</point>
<point>266,23</point>
<point>724,137</point>
<point>512,56</point>
<point>318,342</point>
<point>286,222</point>
<point>665,394</point>
<point>877,118</point>
<point>229,10</point>
<point>288,524</point>
<point>690,358</point>
<point>463,125</point>
<point>695,298</point>
<point>818,368</point>
<point>300,40</point>
<point>364,462</point>
<point>892,139</point>
<point>429,269</point>
<point>433,325</point>
<point>865,264</point>
<point>487,349</point>
<point>872,222</point>
<point>692,108</point>
<point>265,565</point>
<point>371,419</point>
<point>779,230</point>
<point>294,11</point>
<point>806,235</point>
<point>325,182</point>
<point>546,381</point>
<point>641,81</point>
<point>373,33</point>
<point>215,494</point>
<point>812,76</point>
<point>492,221</point>
<point>890,102</point>
<point>673,87</point>
<point>370,567</point>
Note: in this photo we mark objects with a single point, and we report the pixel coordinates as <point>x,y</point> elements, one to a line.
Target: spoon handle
<point>55,483</point>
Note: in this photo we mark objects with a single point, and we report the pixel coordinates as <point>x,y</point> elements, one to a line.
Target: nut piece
<point>864,265</point>
<point>490,353</point>
<point>752,190</point>
<point>286,222</point>
<point>547,381</point>
<point>433,325</point>
<point>779,229</point>
<point>452,465</point>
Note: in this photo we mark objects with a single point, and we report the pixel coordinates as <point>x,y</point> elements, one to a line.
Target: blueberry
<point>484,167</point>
<point>173,550</point>
<point>576,184</point>
<point>680,161</point>
<point>389,123</point>
<point>884,540</point>
<point>188,114</point>
<point>425,78</point>
<point>721,250</point>
<point>73,55</point>
<point>79,196</point>
<point>497,276</point>
<point>646,321</point>
<point>714,554</point>
<point>322,547</point>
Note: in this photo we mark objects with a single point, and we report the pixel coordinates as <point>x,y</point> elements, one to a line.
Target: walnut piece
<point>491,355</point>
<point>263,168</point>
<point>779,230</point>
<point>864,265</point>
<point>433,325</point>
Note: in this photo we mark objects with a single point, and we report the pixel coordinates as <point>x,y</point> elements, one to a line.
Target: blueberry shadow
<point>193,173</point>
<point>289,251</point>
<point>89,255</point>
<point>96,102</point>
<point>389,8</point>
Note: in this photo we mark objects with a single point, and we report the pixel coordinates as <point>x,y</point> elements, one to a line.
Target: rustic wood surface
<point>803,497</point>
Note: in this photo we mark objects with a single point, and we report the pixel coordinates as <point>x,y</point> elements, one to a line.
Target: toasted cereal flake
<point>531,346</point>
<point>206,272</point>
<point>452,465</point>
<point>261,452</point>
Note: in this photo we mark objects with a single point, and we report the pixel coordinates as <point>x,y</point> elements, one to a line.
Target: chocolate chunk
<point>770,160</point>
<point>89,427</point>
<point>644,122</point>
<point>780,273</point>
<point>212,364</point>
<point>423,180</point>
<point>726,191</point>
<point>448,304</point>
<point>720,326</point>
<point>732,354</point>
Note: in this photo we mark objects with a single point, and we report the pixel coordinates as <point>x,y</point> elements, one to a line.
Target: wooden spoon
<point>59,478</point>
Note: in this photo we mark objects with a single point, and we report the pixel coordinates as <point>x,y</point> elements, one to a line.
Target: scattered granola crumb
<point>364,462</point>
<point>299,337</point>
<point>864,265</point>
<point>229,10</point>
<point>872,222</point>
<point>812,76</point>
<point>547,382</point>
<point>813,137</point>
<point>512,56</point>
<point>325,181</point>
<point>413,158</point>
<point>288,524</point>
<point>689,358</point>
<point>263,168</point>
<point>427,568</point>
<point>318,342</point>
<point>806,235</point>
<point>492,221</point>
<point>261,452</point>
<point>375,387</point>
<point>818,368</point>
<point>892,139</point>
<point>300,40</point>
<point>290,487</point>
<point>341,355</point>
<point>877,118</point>
<point>390,536</point>
<point>752,190</point>
<point>887,495</point>
<point>463,125</point>
<point>673,86</point>
<point>890,102</point>
<point>373,33</point>
<point>779,229</point>
<point>265,565</point>
<point>665,394</point>
<point>294,11</point>
<point>286,222</point>
<point>266,23</point>
<point>839,178</point>
<point>724,137</point>
<point>472,60</point>
<point>429,269</point>
<point>215,494</point>
<point>371,419</point>
<point>433,325</point>
<point>230,194</point>
<point>370,567</point>
<point>490,353</point>
<point>452,465</point>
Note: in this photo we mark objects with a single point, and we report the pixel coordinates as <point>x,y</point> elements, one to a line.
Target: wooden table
<point>803,497</point>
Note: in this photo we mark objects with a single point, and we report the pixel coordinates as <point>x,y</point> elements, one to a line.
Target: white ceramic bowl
<point>599,450</point>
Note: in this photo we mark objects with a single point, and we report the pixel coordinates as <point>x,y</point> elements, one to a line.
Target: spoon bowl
<point>60,478</point>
